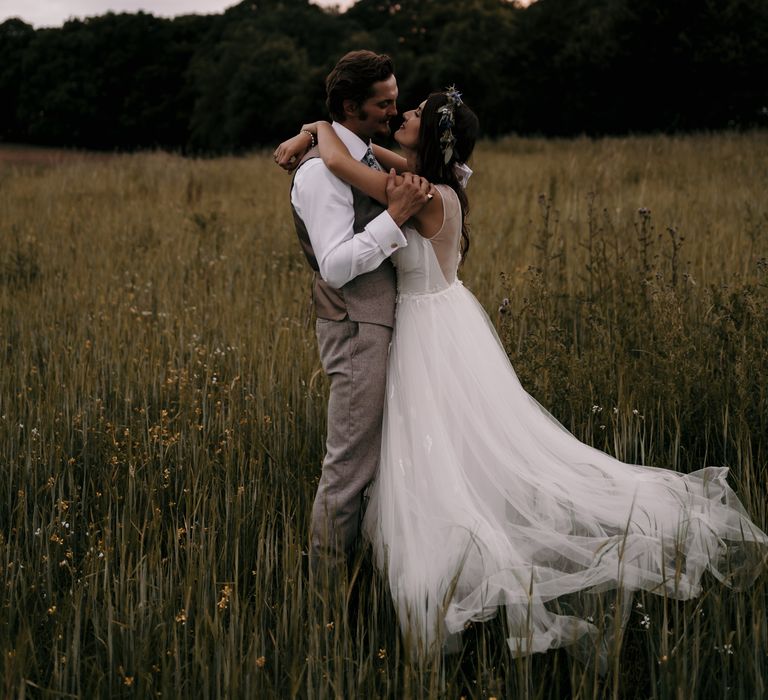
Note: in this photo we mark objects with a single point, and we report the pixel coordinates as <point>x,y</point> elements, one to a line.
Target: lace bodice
<point>429,265</point>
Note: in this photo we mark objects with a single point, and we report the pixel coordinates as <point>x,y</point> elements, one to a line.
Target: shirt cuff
<point>386,233</point>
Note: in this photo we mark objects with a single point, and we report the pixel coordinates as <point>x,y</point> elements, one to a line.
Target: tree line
<point>249,76</point>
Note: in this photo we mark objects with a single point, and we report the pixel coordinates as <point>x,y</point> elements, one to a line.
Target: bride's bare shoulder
<point>429,220</point>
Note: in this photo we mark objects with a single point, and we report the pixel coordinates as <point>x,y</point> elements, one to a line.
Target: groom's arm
<point>325,205</point>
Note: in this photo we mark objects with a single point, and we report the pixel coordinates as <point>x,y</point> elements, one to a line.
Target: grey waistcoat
<point>370,297</point>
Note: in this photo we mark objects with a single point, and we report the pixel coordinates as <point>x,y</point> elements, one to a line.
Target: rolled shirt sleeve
<point>325,205</point>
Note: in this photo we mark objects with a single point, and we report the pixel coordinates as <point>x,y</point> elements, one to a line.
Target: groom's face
<point>372,117</point>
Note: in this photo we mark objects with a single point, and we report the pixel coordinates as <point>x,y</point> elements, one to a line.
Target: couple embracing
<point>479,499</point>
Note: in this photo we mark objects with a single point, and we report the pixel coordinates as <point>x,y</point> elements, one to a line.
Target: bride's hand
<point>289,153</point>
<point>422,182</point>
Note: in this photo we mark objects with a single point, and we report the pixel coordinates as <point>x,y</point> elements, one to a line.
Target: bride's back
<point>429,264</point>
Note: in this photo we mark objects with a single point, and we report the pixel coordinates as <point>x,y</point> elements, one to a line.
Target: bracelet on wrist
<point>311,136</point>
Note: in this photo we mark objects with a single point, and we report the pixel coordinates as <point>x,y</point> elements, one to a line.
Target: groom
<point>347,238</point>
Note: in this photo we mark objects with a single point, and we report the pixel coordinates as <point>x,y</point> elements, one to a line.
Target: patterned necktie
<point>370,160</point>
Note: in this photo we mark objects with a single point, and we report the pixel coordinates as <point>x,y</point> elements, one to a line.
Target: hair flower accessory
<point>448,121</point>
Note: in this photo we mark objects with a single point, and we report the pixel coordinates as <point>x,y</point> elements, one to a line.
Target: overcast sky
<point>53,13</point>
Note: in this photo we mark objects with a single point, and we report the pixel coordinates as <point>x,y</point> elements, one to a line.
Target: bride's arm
<point>390,159</point>
<point>374,182</point>
<point>339,161</point>
<point>289,153</point>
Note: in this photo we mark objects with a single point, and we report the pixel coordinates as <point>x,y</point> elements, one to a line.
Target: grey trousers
<point>354,356</point>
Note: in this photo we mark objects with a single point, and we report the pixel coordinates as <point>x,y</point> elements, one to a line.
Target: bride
<point>483,501</point>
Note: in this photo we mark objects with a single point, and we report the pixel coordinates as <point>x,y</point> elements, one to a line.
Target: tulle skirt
<point>484,501</point>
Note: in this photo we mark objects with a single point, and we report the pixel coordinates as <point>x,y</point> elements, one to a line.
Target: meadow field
<point>162,414</point>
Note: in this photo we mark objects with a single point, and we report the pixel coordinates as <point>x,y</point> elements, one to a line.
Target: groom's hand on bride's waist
<point>406,196</point>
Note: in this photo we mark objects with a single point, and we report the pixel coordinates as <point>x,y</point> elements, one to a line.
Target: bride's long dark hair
<point>430,159</point>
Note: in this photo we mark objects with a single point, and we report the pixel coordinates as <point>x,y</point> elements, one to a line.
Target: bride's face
<point>408,134</point>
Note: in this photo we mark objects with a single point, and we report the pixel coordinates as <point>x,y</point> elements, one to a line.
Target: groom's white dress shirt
<point>325,205</point>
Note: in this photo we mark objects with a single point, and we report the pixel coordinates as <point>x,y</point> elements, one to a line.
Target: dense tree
<point>260,72</point>
<point>603,66</point>
<point>15,36</point>
<point>437,44</point>
<point>249,76</point>
<point>116,81</point>
<point>248,91</point>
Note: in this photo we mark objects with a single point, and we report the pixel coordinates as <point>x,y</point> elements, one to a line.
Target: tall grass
<point>162,415</point>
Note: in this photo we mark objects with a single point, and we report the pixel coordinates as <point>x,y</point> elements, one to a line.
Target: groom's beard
<point>382,127</point>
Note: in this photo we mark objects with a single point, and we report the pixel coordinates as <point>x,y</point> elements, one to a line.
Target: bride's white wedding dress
<point>484,500</point>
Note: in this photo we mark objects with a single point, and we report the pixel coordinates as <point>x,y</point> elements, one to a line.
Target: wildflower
<point>226,593</point>
<point>261,661</point>
<point>329,626</point>
<point>596,409</point>
<point>645,622</point>
<point>181,616</point>
<point>382,654</point>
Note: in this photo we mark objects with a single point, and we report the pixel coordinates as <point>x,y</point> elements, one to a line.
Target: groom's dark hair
<point>352,78</point>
